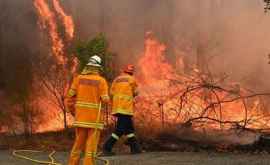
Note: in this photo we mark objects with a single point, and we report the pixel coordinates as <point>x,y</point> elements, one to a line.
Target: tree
<point>96,46</point>
<point>54,80</point>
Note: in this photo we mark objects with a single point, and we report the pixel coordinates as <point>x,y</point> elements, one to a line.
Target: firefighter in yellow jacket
<point>123,91</point>
<point>88,89</point>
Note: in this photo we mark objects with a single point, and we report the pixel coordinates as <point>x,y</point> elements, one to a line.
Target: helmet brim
<point>91,64</point>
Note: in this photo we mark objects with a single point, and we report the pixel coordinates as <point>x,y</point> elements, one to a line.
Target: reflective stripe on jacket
<point>123,90</point>
<point>89,90</point>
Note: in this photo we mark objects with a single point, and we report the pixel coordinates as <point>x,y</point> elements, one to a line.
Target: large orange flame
<point>153,66</point>
<point>67,20</point>
<point>48,21</point>
<point>161,88</point>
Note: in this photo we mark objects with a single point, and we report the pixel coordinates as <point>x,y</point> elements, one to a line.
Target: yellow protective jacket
<point>123,91</point>
<point>89,89</point>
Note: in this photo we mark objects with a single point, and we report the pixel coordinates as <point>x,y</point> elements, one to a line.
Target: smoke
<point>231,36</point>
<point>19,44</point>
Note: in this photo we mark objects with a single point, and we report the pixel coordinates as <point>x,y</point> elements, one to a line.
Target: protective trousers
<point>86,142</point>
<point>124,126</point>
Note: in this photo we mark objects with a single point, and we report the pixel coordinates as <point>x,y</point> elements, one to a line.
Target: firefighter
<point>89,89</point>
<point>123,91</point>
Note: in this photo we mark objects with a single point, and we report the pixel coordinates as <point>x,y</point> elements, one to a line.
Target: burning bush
<point>205,105</point>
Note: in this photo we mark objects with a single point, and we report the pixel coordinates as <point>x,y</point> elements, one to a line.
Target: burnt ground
<point>160,158</point>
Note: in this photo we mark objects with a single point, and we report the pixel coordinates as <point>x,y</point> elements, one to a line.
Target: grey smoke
<point>234,33</point>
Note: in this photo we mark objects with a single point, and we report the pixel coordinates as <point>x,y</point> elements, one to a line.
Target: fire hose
<point>18,153</point>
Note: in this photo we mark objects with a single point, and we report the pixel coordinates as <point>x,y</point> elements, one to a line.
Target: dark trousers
<point>124,125</point>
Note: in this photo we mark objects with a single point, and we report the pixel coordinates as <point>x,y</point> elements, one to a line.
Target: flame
<point>159,82</point>
<point>67,20</point>
<point>161,87</point>
<point>48,21</point>
<point>153,65</point>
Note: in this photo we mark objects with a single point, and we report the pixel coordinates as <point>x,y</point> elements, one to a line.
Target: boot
<point>134,146</point>
<point>107,147</point>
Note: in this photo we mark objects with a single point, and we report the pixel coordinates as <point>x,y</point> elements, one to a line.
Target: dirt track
<point>176,158</point>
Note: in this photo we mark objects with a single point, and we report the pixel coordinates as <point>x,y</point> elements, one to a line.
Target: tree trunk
<point>65,119</point>
<point>25,119</point>
<point>64,111</point>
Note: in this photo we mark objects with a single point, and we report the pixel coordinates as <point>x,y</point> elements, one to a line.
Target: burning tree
<point>54,71</point>
<point>54,82</point>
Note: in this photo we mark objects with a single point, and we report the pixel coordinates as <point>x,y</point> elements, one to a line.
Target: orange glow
<point>67,20</point>
<point>48,21</point>
<point>153,65</point>
<point>161,88</point>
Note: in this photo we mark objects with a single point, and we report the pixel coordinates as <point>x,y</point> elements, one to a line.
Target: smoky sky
<point>234,34</point>
<point>19,45</point>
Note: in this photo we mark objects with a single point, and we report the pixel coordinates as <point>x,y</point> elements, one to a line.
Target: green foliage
<point>96,46</point>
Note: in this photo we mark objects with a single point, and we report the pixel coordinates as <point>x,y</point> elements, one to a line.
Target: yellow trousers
<point>86,142</point>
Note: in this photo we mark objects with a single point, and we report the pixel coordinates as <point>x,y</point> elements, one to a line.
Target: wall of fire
<point>229,36</point>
